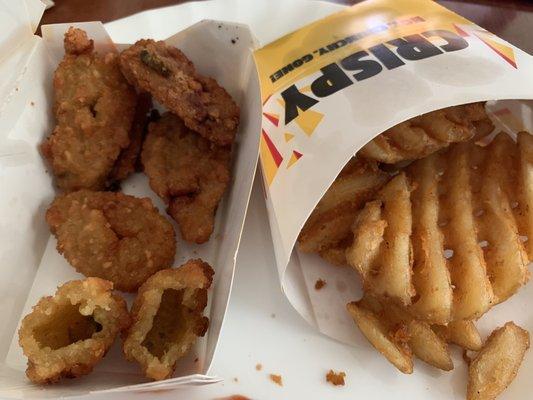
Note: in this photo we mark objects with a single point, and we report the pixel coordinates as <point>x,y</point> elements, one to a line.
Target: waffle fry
<point>431,276</point>
<point>496,365</point>
<point>524,211</point>
<point>428,346</point>
<point>422,135</point>
<point>506,256</point>
<point>327,230</point>
<point>465,201</point>
<point>381,250</point>
<point>417,336</point>
<point>462,333</point>
<point>391,344</point>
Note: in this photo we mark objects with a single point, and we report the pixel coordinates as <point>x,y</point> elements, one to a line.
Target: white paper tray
<point>31,265</point>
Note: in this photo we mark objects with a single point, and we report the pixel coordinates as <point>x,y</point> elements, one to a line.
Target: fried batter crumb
<point>258,367</point>
<point>320,283</point>
<point>276,379</point>
<point>235,379</point>
<point>335,378</point>
<point>77,42</point>
<point>168,317</point>
<point>113,236</point>
<point>67,334</point>
<point>188,173</point>
<point>170,77</point>
<point>94,108</point>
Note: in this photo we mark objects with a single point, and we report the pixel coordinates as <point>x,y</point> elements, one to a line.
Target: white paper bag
<point>332,86</point>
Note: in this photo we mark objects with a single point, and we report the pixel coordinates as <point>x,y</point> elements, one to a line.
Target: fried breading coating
<point>65,335</point>
<point>94,108</point>
<point>170,77</point>
<point>113,236</point>
<point>167,317</point>
<point>188,172</point>
<point>425,134</point>
<point>128,161</point>
<point>76,42</point>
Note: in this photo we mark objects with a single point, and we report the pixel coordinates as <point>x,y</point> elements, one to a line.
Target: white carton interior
<point>31,266</point>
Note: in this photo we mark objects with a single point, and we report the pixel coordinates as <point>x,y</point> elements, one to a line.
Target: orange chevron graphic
<point>502,50</point>
<point>271,159</point>
<point>274,118</point>
<point>295,156</point>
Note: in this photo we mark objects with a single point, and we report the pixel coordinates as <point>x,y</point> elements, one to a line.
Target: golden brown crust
<point>188,172</point>
<point>327,231</point>
<point>112,235</point>
<point>167,315</point>
<point>496,365</point>
<point>170,77</point>
<point>94,107</point>
<point>76,42</point>
<point>65,335</point>
<point>425,134</point>
<point>466,200</point>
<point>129,159</point>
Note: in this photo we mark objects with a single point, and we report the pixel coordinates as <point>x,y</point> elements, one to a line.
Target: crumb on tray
<point>335,378</point>
<point>276,379</point>
<point>319,284</point>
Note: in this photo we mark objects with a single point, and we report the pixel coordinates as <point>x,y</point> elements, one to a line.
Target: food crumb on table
<point>277,379</point>
<point>235,379</point>
<point>335,378</point>
<point>258,367</point>
<point>320,283</point>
